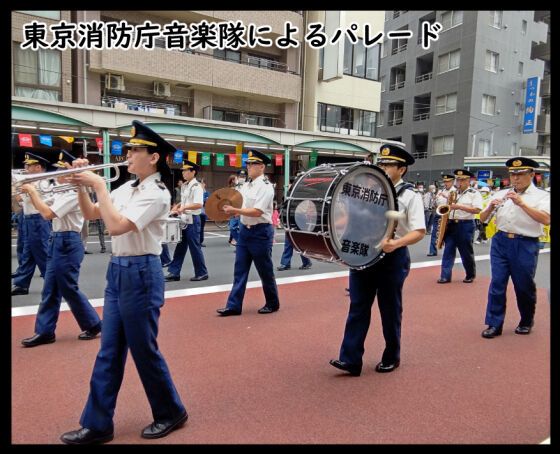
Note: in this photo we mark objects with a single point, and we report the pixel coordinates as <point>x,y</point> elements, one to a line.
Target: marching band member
<point>256,236</point>
<point>36,231</point>
<point>65,255</point>
<point>135,214</point>
<point>460,228</point>
<point>521,213</point>
<point>441,199</point>
<point>192,195</point>
<point>386,277</point>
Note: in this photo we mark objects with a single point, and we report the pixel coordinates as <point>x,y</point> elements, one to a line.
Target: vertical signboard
<point>531,97</point>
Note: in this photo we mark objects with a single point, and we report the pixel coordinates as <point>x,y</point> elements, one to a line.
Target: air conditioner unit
<point>162,89</point>
<point>114,82</point>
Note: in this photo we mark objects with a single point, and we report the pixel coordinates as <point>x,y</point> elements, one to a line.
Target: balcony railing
<point>396,85</point>
<point>423,77</point>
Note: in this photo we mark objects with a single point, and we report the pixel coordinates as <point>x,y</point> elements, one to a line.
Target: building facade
<point>460,103</point>
<point>214,100</point>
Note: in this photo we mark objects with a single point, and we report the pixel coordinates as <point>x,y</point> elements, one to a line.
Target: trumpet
<point>18,180</point>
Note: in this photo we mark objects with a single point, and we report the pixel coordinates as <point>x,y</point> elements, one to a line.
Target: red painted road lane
<point>267,379</point>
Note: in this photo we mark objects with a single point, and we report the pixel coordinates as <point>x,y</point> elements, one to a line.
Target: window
<point>484,147</point>
<point>451,19</point>
<point>513,149</point>
<point>523,27</point>
<point>37,74</point>
<point>491,61</point>
<point>345,120</point>
<point>46,14</point>
<point>360,61</point>
<point>229,55</point>
<point>495,19</point>
<point>449,61</point>
<point>488,104</point>
<point>520,69</point>
<point>446,103</point>
<point>443,145</point>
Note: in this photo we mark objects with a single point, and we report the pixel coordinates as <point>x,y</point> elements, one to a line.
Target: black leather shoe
<point>90,333</point>
<point>443,281</point>
<point>172,277</point>
<point>492,331</point>
<point>199,278</point>
<point>352,369</point>
<point>224,312</point>
<point>19,290</point>
<point>305,267</point>
<point>523,329</point>
<point>38,339</point>
<point>161,429</point>
<point>468,280</point>
<point>387,367</point>
<point>85,436</point>
<point>283,267</point>
<point>267,310</point>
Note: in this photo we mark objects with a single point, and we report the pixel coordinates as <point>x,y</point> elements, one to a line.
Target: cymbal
<point>219,198</point>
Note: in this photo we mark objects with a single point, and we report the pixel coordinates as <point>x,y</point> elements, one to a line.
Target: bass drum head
<point>357,219</point>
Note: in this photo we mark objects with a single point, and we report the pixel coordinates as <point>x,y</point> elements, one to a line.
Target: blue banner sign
<point>529,118</point>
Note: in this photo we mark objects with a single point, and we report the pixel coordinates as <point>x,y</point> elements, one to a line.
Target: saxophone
<point>443,211</point>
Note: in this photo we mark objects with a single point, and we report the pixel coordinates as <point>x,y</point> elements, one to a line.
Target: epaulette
<point>160,184</point>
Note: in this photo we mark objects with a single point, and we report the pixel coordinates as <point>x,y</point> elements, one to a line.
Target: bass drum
<point>336,213</point>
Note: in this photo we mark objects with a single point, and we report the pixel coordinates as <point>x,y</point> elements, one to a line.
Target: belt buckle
<point>247,226</point>
<point>511,235</point>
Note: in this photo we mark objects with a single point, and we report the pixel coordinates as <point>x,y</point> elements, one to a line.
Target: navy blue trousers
<point>385,280</point>
<point>458,236</point>
<point>36,231</point>
<point>190,240</point>
<point>286,259</point>
<point>516,258</point>
<point>133,298</point>
<point>65,255</point>
<point>254,245</point>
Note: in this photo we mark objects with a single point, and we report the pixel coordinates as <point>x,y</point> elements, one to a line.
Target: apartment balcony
<point>543,124</point>
<point>545,87</point>
<point>200,71</point>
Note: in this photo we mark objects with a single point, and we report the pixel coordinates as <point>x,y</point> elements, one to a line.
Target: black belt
<point>255,225</point>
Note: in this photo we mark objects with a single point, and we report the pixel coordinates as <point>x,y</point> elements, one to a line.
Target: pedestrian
<point>256,234</point>
<point>36,230</point>
<point>65,255</point>
<point>441,198</point>
<point>286,259</point>
<point>481,226</point>
<point>203,217</point>
<point>386,277</point>
<point>429,207</point>
<point>189,210</point>
<point>521,213</point>
<point>134,214</point>
<point>459,234</point>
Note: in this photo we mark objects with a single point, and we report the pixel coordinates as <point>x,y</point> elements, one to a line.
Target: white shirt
<point>146,205</point>
<point>192,193</point>
<point>469,197</point>
<point>27,204</point>
<point>513,219</point>
<point>440,200</point>
<point>412,206</point>
<point>258,194</point>
<point>69,217</point>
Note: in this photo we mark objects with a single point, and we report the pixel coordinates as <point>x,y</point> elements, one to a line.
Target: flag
<point>219,159</point>
<point>25,140</point>
<point>46,140</point>
<point>205,161</point>
<point>192,156</point>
